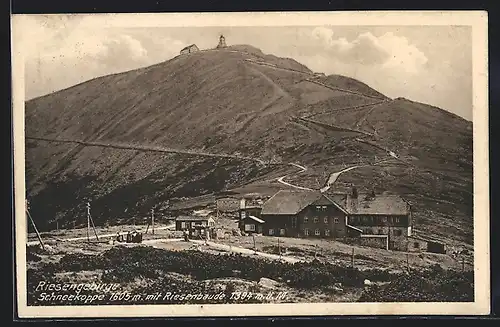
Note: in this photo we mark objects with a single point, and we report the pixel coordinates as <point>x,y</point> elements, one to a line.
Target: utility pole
<point>34,226</point>
<point>463,264</point>
<point>153,220</point>
<point>89,221</point>
<point>408,261</point>
<point>279,249</point>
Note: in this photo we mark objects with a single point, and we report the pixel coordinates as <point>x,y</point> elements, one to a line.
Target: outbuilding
<point>190,49</point>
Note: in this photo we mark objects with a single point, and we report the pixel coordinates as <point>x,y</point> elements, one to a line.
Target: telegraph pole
<point>34,226</point>
<point>88,222</point>
<point>153,221</point>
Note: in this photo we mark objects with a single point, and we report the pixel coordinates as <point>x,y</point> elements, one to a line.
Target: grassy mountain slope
<point>238,101</point>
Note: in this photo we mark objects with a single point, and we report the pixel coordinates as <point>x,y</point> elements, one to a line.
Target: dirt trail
<point>331,126</point>
<point>334,176</point>
<point>147,148</point>
<point>237,249</point>
<point>82,238</point>
<point>302,169</point>
<point>344,90</point>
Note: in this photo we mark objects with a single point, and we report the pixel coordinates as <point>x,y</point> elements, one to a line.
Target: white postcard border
<point>476,19</point>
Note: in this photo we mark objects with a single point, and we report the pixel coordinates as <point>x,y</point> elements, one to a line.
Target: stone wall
<point>374,241</point>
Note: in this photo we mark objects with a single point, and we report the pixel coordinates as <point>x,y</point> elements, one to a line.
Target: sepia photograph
<point>258,164</point>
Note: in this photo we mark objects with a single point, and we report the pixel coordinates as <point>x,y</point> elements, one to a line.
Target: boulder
<point>268,283</point>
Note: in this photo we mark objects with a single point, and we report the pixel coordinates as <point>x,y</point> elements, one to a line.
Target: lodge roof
<point>380,204</point>
<point>289,202</point>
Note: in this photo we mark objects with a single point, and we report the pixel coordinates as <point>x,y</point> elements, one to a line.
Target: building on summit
<point>190,49</point>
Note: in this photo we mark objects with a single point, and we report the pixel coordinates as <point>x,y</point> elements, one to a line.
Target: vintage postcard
<point>251,164</point>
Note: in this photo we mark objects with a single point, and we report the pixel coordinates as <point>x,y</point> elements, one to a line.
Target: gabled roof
<point>379,205</point>
<point>289,202</point>
<point>189,46</point>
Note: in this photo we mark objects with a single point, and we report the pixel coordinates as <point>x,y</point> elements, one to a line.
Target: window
<point>282,232</point>
<point>336,220</point>
<point>397,220</point>
<point>306,219</point>
<point>416,245</point>
<point>183,224</point>
<point>325,220</point>
<point>317,232</point>
<point>271,231</point>
<point>397,232</point>
<point>294,222</point>
<point>306,232</point>
<point>250,227</point>
<point>318,208</point>
<point>323,208</point>
<point>243,215</point>
<point>327,232</point>
<point>316,219</point>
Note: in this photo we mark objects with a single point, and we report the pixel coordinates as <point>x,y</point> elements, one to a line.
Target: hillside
<point>242,102</point>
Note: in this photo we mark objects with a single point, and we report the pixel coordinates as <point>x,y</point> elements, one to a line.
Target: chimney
<point>354,199</point>
<point>354,192</point>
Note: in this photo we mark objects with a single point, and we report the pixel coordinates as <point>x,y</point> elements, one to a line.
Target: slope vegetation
<point>246,104</point>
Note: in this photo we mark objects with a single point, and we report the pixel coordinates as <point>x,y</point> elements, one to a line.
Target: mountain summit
<point>225,118</point>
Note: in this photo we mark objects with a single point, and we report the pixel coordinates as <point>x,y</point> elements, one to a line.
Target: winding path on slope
<point>302,169</point>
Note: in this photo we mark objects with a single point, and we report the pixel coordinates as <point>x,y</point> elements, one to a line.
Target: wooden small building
<point>189,49</point>
<point>194,225</point>
<point>425,244</point>
<point>255,211</point>
<point>252,225</point>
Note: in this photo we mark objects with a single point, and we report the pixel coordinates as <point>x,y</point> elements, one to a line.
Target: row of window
<point>317,232</point>
<point>325,220</point>
<point>191,224</point>
<point>281,232</point>
<point>307,232</point>
<point>372,219</point>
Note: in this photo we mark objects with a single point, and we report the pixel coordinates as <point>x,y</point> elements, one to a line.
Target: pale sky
<point>429,64</point>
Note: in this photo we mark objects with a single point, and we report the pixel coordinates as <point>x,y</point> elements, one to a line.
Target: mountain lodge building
<point>382,221</point>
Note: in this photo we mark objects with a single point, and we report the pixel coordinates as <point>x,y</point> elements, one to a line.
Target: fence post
<point>352,258</point>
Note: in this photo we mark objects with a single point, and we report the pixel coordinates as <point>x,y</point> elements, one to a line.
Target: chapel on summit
<point>222,42</point>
